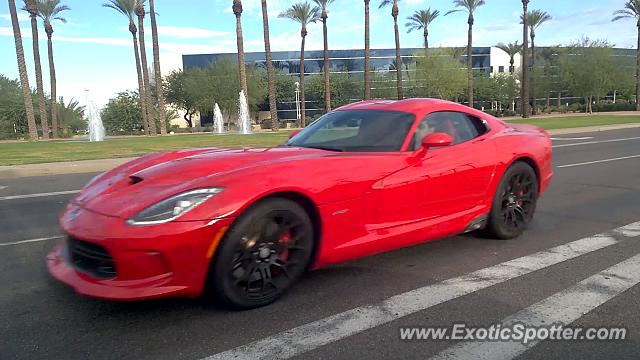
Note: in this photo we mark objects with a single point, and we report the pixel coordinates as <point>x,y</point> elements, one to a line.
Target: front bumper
<point>150,261</point>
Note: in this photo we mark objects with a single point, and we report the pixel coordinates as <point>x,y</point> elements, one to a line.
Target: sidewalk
<point>88,166</point>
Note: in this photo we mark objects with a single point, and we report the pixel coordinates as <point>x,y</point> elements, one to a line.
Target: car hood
<point>128,189</point>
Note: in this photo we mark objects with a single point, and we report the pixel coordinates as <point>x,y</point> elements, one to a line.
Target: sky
<point>93,50</point>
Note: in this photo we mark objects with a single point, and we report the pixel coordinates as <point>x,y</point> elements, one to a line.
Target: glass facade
<point>341,61</point>
<point>351,61</point>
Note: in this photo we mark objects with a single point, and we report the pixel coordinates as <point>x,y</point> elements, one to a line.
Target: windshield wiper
<point>327,148</point>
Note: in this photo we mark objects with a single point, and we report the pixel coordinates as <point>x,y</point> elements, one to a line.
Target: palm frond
<point>125,7</point>
<point>302,13</point>
<point>385,3</point>
<point>50,9</point>
<point>625,14</point>
<point>421,19</point>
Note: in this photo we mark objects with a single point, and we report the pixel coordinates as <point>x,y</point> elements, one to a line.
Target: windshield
<point>357,131</point>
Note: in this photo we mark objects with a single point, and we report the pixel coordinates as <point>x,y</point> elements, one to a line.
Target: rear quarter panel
<point>529,144</point>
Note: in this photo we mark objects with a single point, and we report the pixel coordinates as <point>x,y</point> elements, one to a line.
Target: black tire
<point>264,253</point>
<point>514,202</point>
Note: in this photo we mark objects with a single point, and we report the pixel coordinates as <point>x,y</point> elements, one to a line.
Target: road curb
<point>596,128</point>
<point>59,168</point>
<point>99,165</point>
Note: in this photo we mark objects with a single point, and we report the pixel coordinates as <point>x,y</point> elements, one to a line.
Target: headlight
<point>173,207</point>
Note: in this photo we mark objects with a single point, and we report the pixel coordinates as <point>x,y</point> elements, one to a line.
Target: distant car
<point>245,224</point>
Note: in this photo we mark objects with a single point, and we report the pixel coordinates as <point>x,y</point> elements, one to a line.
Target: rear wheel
<point>514,202</point>
<point>262,255</point>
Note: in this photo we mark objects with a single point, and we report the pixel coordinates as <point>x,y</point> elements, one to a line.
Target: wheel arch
<point>531,162</point>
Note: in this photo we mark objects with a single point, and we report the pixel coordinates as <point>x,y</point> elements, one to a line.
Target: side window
<point>461,127</point>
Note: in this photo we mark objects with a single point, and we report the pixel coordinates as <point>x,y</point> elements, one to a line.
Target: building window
<point>500,69</point>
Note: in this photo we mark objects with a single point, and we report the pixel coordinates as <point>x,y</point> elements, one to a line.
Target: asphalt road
<point>591,194</point>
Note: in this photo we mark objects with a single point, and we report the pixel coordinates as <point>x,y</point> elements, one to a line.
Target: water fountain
<point>218,121</point>
<point>244,122</point>
<point>95,126</point>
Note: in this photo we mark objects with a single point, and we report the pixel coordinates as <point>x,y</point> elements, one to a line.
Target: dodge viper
<point>245,224</point>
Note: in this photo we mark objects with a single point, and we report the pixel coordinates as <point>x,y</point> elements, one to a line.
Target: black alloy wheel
<point>514,202</point>
<point>267,249</point>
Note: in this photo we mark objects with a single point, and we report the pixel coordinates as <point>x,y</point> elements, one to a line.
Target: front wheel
<point>514,202</point>
<point>267,249</point>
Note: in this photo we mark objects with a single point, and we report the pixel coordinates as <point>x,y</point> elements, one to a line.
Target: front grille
<point>91,258</point>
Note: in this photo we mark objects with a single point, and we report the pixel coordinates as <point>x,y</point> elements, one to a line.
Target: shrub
<point>618,106</point>
<point>266,124</point>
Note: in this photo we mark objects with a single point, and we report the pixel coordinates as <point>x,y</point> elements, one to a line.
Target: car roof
<point>407,105</point>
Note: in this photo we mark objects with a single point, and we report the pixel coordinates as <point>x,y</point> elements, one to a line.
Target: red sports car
<point>245,224</point>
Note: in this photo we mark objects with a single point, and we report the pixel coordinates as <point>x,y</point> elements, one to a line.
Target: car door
<point>444,181</point>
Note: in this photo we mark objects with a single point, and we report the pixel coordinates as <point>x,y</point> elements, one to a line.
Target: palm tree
<point>420,20</point>
<point>535,19</point>
<point>237,11</point>
<point>303,14</point>
<point>512,49</point>
<point>271,76</point>
<point>367,52</point>
<point>525,60</point>
<point>322,5</point>
<point>127,8</point>
<point>156,68</point>
<point>141,13</point>
<point>49,10</point>
<point>22,69</point>
<point>394,13</point>
<point>31,6</point>
<point>470,6</point>
<point>632,11</point>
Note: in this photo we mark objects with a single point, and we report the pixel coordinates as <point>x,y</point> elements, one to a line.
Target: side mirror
<point>294,133</point>
<point>436,140</point>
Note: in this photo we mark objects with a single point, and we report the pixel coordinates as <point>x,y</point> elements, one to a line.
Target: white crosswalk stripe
<point>564,307</point>
<point>333,328</point>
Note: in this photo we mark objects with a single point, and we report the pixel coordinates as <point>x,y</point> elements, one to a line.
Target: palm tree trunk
<point>512,68</point>
<point>145,78</point>
<point>534,110</point>
<point>638,71</point>
<point>398,60</point>
<point>367,52</point>
<point>39,87</point>
<point>559,100</point>
<point>141,90</point>
<point>22,70</point>
<point>242,70</point>
<point>524,94</point>
<point>54,96</point>
<point>303,116</point>
<point>470,61</point>
<point>271,79</point>
<point>327,83</point>
<point>426,38</point>
<point>162,114</point>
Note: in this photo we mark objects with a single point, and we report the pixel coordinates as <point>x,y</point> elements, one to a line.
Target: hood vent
<point>135,179</point>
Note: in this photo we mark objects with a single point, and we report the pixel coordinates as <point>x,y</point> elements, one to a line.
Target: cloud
<point>22,17</point>
<point>180,32</point>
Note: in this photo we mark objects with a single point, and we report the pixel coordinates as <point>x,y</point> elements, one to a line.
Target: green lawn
<point>566,122</point>
<point>15,153</point>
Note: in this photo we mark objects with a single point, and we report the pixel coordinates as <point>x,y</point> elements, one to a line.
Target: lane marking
<point>29,196</point>
<point>596,142</point>
<point>574,138</point>
<point>3,187</point>
<point>598,161</point>
<point>563,307</point>
<point>31,241</point>
<point>339,326</point>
